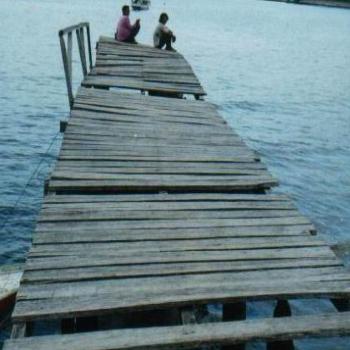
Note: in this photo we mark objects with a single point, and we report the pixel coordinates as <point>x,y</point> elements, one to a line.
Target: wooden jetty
<point>155,209</point>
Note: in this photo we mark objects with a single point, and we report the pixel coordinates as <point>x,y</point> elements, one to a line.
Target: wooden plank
<point>120,202</point>
<point>147,138</point>
<point>165,224</point>
<point>144,186</point>
<point>161,158</point>
<point>125,96</point>
<point>182,130</point>
<point>81,304</point>
<point>19,330</point>
<point>146,130</point>
<point>140,84</point>
<point>114,114</point>
<point>156,152</point>
<point>163,204</point>
<point>78,127</point>
<point>126,135</point>
<point>161,197</point>
<point>91,215</point>
<point>154,131</point>
<point>147,270</point>
<point>93,172</point>
<point>76,139</point>
<point>186,245</point>
<point>171,285</point>
<point>193,336</point>
<point>129,109</point>
<point>110,257</point>
<point>142,235</point>
<point>237,149</point>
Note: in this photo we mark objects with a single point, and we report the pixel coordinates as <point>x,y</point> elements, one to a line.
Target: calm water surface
<point>280,74</point>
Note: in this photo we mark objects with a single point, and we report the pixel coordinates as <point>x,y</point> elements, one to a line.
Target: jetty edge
<point>157,208</point>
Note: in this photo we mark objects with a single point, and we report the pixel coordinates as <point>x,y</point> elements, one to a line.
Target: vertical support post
<point>188,315</point>
<point>89,44</point>
<point>19,330</point>
<point>80,39</point>
<point>282,310</point>
<point>66,69</point>
<point>234,312</point>
<point>70,56</point>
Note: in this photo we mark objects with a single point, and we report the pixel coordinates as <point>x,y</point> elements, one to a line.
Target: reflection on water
<point>280,74</point>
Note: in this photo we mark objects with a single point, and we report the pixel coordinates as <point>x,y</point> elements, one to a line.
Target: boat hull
<point>140,7</point>
<point>10,276</point>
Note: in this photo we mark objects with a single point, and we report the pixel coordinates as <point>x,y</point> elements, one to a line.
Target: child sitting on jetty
<point>125,31</point>
<point>163,36</point>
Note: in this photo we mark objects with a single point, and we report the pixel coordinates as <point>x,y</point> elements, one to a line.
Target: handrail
<point>67,51</point>
<point>71,28</point>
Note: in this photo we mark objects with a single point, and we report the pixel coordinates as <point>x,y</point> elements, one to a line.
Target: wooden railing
<point>84,46</point>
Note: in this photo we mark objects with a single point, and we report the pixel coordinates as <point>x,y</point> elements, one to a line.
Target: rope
<point>32,176</point>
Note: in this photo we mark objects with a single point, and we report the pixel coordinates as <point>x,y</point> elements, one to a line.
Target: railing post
<point>70,55</point>
<point>66,69</point>
<point>89,44</point>
<point>80,39</point>
<point>67,53</point>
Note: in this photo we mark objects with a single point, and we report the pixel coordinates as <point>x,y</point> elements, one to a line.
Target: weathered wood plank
<point>110,257</point>
<point>96,215</point>
<point>144,234</point>
<point>179,283</point>
<point>193,336</point>
<point>179,224</point>
<point>156,298</point>
<point>93,172</point>
<point>138,100</point>
<point>144,186</point>
<point>171,205</point>
<point>147,270</point>
<point>141,84</point>
<point>186,245</point>
<point>162,197</point>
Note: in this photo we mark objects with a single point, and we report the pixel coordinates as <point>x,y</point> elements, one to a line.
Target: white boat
<point>138,5</point>
<point>10,276</point>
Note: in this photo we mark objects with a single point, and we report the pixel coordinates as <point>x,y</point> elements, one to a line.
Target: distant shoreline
<point>327,3</point>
